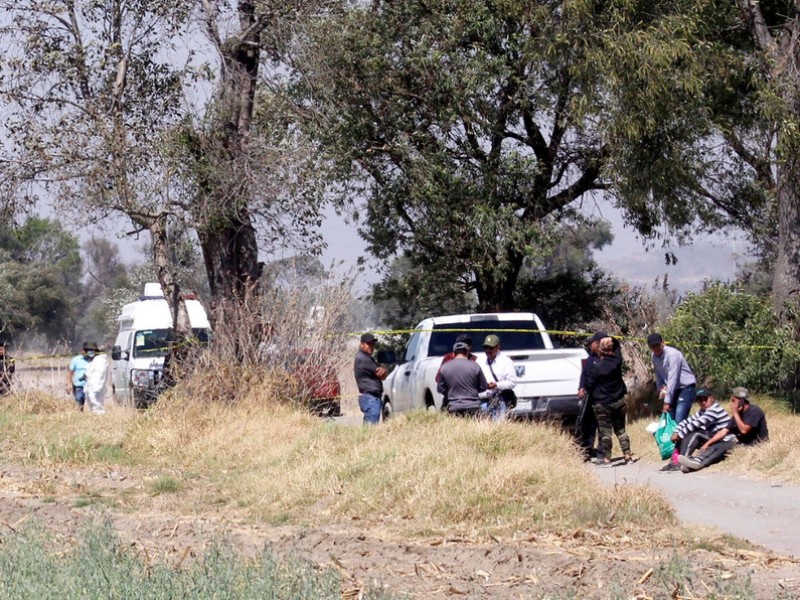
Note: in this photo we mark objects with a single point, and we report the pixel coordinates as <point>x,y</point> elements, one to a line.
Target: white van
<point>145,330</point>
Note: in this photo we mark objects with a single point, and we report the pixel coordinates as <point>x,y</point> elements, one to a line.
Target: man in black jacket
<point>607,390</point>
<point>586,425</point>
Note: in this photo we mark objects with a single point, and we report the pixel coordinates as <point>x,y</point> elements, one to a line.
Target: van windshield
<point>148,343</point>
<point>514,335</point>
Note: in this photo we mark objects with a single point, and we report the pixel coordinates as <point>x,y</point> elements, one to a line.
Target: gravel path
<point>762,512</point>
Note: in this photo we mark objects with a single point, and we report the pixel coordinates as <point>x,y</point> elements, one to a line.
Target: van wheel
<point>387,411</point>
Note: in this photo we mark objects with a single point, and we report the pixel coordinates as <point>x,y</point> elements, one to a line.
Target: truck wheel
<point>387,411</point>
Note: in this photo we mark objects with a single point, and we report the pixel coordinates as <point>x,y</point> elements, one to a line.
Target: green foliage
<point>103,567</point>
<point>464,122</point>
<point>731,338</point>
<point>40,278</point>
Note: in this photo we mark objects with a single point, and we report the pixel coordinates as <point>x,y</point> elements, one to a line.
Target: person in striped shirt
<point>708,431</point>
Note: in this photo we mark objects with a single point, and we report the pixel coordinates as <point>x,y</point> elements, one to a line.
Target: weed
<point>102,567</point>
<point>164,485</point>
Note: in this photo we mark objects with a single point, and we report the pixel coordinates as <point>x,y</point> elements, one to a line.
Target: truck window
<point>514,335</point>
<point>413,346</point>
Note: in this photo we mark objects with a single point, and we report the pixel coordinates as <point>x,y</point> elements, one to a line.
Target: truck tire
<point>429,402</point>
<point>387,412</point>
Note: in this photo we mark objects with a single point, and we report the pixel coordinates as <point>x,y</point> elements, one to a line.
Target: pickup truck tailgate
<point>547,382</point>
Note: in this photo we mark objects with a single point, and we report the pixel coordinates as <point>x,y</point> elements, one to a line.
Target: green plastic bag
<point>666,427</point>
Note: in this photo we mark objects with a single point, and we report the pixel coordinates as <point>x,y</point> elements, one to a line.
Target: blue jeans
<point>498,413</point>
<point>80,396</point>
<point>371,406</point>
<point>682,402</point>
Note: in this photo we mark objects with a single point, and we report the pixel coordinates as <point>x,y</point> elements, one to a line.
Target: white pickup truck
<point>547,377</point>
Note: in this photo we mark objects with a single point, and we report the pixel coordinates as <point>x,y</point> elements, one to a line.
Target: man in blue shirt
<point>76,373</point>
<point>675,380</point>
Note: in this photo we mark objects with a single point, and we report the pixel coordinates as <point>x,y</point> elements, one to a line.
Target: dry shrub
<point>287,346</point>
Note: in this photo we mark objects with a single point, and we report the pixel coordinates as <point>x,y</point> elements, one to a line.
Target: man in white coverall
<point>96,382</point>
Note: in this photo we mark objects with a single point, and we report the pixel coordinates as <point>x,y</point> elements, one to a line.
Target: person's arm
<point>715,438</point>
<point>508,377</point>
<point>673,377</point>
<point>741,426</point>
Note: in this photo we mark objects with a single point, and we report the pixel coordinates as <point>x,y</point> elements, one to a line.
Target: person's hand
<point>675,438</point>
<point>735,403</point>
<point>69,389</point>
<point>491,385</point>
<point>581,393</point>
<point>665,408</point>
<point>662,393</point>
<point>381,373</point>
<point>705,447</point>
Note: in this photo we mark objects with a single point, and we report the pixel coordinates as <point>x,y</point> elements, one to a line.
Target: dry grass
<point>425,474</point>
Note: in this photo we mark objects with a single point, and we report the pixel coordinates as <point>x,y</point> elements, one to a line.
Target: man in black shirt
<point>463,383</point>
<point>6,370</point>
<point>750,423</point>
<point>369,379</point>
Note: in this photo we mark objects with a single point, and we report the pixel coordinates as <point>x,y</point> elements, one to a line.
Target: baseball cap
<point>368,338</point>
<point>491,341</point>
<point>740,392</point>
<point>598,335</point>
<point>460,346</point>
<point>654,338</point>
<point>704,392</point>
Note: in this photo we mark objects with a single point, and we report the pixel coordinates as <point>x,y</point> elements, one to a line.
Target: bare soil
<point>601,563</point>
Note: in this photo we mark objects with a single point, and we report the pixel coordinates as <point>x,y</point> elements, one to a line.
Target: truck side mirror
<point>116,353</point>
<point>386,357</point>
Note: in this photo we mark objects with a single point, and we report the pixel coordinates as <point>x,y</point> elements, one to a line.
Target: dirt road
<point>762,512</point>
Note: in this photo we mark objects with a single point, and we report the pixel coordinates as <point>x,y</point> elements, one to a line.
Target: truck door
<point>405,383</point>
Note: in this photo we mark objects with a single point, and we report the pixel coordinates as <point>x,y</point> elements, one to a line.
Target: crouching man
<point>708,431</point>
<point>749,421</point>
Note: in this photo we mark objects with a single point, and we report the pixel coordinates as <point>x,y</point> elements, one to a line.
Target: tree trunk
<point>497,294</point>
<point>786,277</point>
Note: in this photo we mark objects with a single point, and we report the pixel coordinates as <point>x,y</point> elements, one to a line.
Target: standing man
<point>708,430</point>
<point>606,387</point>
<point>749,421</point>
<point>462,381</point>
<point>76,373</point>
<point>461,337</point>
<point>7,368</point>
<point>675,380</point>
<point>586,425</point>
<point>369,379</point>
<point>498,369</point>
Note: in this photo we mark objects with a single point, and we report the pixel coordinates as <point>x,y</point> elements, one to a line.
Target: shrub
<point>731,338</point>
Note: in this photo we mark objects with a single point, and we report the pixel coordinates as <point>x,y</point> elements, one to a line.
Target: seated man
<point>749,421</point>
<point>708,430</point>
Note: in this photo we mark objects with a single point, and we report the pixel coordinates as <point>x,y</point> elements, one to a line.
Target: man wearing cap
<point>462,381</point>
<point>586,424</point>
<point>7,369</point>
<point>76,373</point>
<point>369,379</point>
<point>675,380</point>
<point>498,369</point>
<point>708,431</point>
<point>749,421</point>
<point>461,337</point>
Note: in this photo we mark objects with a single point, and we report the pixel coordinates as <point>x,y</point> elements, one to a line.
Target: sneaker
<point>685,469</point>
<point>604,463</point>
<point>670,468</point>
<point>692,464</point>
